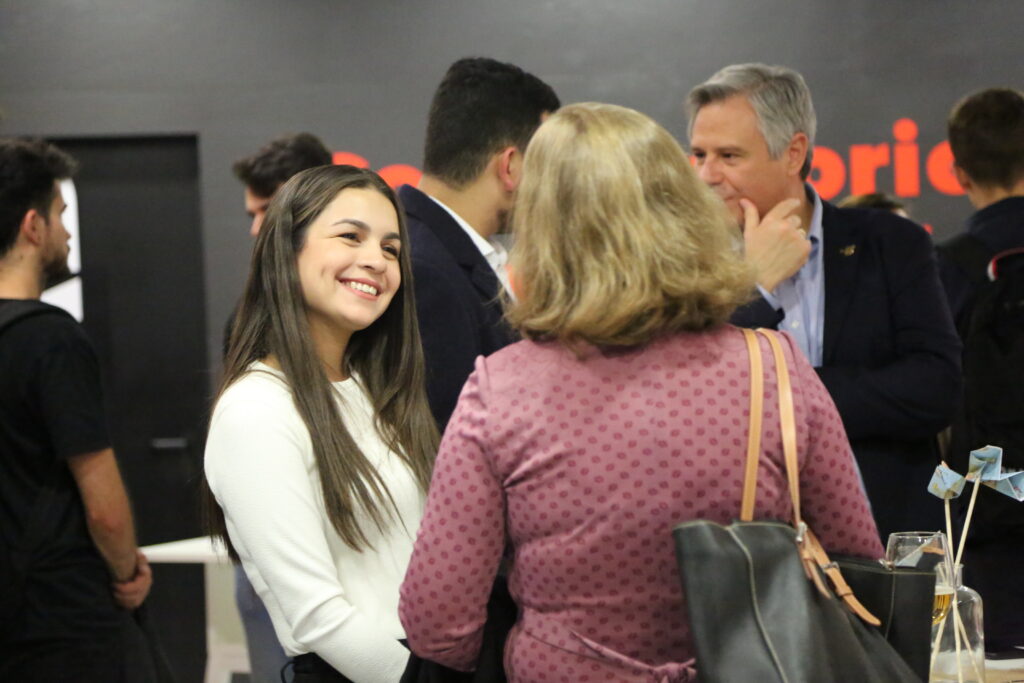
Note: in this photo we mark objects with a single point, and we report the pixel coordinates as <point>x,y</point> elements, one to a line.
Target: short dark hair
<point>872,200</point>
<point>986,134</point>
<point>481,106</point>
<point>279,160</point>
<point>28,169</point>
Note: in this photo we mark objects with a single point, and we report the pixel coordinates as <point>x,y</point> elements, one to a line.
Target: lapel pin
<point>848,250</point>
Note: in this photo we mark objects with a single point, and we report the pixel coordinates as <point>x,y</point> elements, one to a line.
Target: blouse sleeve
<point>460,541</point>
<point>832,498</point>
<point>255,468</point>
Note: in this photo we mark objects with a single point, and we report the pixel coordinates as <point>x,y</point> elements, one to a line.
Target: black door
<point>143,304</point>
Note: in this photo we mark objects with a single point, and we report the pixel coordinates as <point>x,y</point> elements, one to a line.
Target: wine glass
<point>917,549</point>
<point>925,550</point>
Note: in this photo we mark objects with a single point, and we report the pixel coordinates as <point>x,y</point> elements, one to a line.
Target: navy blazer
<point>457,303</point>
<point>890,356</point>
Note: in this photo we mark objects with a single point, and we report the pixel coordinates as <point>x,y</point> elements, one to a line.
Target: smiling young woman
<point>321,442</point>
<point>349,270</point>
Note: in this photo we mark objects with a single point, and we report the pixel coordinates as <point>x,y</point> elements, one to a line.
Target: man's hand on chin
<point>775,245</point>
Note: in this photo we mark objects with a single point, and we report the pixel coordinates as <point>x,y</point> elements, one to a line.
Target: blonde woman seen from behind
<point>321,441</point>
<point>622,413</point>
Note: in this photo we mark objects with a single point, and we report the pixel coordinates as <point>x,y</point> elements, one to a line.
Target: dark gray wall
<point>360,74</point>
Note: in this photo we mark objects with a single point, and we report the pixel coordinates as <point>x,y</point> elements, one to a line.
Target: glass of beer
<point>944,594</point>
<point>926,550</point>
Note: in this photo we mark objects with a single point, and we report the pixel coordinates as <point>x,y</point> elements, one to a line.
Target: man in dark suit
<point>858,289</point>
<point>481,119</point>
<point>482,116</point>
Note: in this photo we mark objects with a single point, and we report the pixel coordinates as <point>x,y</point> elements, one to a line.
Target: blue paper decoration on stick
<point>946,483</point>
<point>985,466</point>
<point>985,463</point>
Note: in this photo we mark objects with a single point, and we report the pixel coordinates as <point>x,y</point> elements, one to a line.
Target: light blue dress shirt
<point>802,296</point>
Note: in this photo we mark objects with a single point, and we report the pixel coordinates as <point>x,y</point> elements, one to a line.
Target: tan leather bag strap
<point>754,435</point>
<point>812,553</point>
<point>787,420</point>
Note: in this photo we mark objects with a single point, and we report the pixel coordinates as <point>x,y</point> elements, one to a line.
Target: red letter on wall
<point>828,172</point>
<point>940,170</point>
<point>400,174</point>
<point>865,160</point>
<point>906,160</point>
<point>350,159</point>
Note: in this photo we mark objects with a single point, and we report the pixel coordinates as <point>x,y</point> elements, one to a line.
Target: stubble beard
<point>56,271</point>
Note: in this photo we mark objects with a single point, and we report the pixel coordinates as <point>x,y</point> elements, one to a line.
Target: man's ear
<point>33,227</point>
<point>796,153</point>
<point>509,168</point>
<point>962,178</point>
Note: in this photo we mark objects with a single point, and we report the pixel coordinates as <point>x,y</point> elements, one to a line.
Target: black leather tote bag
<point>764,601</point>
<point>901,598</point>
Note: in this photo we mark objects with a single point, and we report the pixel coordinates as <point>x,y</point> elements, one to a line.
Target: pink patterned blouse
<point>583,467</point>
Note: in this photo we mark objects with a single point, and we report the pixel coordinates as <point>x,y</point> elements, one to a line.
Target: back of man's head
<point>28,170</point>
<point>986,134</point>
<point>481,107</point>
<point>279,160</point>
<point>779,96</point>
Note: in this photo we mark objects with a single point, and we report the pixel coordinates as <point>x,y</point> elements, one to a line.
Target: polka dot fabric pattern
<point>583,467</point>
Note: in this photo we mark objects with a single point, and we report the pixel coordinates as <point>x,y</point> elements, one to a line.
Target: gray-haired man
<point>857,288</point>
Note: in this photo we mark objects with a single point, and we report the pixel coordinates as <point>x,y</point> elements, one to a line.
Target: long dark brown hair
<point>386,357</point>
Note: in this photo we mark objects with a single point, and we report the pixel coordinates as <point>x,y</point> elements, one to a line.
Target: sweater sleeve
<point>256,470</point>
<point>832,498</point>
<point>461,539</point>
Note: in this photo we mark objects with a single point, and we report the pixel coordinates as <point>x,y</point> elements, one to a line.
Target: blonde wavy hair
<point>617,240</point>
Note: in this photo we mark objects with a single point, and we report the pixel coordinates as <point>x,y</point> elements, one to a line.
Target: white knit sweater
<point>322,596</point>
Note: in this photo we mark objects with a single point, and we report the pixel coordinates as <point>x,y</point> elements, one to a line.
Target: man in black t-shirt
<point>71,566</point>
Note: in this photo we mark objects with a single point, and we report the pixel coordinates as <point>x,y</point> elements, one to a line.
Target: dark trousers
<point>132,654</point>
<point>46,661</point>
<point>501,617</point>
<point>988,569</point>
<point>309,668</point>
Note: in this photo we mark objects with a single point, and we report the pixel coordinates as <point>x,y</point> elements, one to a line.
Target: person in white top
<point>321,441</point>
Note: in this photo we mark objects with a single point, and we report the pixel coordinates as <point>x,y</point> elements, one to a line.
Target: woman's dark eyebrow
<point>352,221</point>
<point>364,227</point>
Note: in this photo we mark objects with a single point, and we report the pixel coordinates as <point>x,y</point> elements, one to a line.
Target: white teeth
<point>359,286</point>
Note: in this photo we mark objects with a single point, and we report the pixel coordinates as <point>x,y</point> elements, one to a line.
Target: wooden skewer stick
<point>951,576</point>
<point>938,640</point>
<point>967,521</point>
<point>956,638</point>
<point>967,642</point>
<point>949,535</point>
